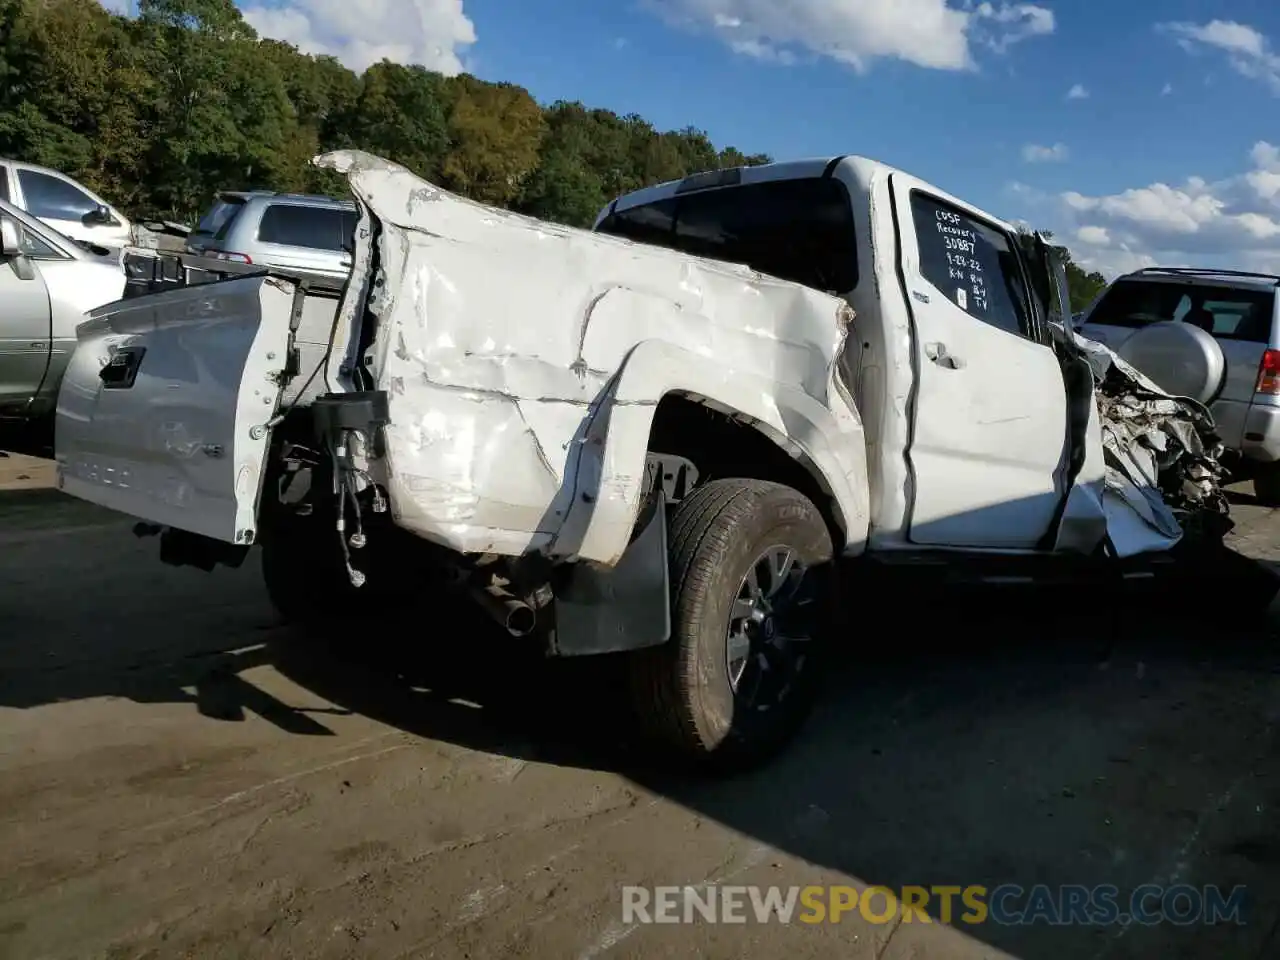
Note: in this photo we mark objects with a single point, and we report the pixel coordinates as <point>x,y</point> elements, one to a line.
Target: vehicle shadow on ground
<point>965,736</point>
<point>996,737</point>
<point>87,611</point>
<point>1241,498</point>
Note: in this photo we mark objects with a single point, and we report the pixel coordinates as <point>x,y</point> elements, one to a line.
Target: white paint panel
<point>178,448</point>
<point>990,417</point>
<point>499,335</point>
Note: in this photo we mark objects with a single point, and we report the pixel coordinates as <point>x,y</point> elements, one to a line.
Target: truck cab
<point>952,367</point>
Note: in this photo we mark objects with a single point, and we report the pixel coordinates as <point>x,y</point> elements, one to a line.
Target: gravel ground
<point>181,776</point>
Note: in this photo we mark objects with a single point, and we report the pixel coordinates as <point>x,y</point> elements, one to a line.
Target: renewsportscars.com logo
<point>1008,904</point>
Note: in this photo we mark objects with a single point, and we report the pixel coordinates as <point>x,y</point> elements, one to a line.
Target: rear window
<point>220,215</point>
<point>798,230</point>
<point>318,228</point>
<point>1231,314</point>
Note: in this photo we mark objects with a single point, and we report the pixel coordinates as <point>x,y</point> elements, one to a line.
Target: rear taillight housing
<point>1269,374</point>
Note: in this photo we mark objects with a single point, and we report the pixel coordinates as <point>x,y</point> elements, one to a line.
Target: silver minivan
<point>281,230</point>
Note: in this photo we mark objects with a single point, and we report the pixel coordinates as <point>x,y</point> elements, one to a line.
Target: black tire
<point>683,690</point>
<point>1266,484</point>
<point>304,574</point>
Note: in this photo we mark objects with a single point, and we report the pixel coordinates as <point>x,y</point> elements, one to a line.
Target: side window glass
<point>799,230</point>
<point>317,228</point>
<point>973,264</point>
<point>51,198</point>
<point>4,184</point>
<point>36,248</point>
<point>653,223</point>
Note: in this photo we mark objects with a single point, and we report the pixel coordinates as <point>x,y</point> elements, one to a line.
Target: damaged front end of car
<point>1162,480</point>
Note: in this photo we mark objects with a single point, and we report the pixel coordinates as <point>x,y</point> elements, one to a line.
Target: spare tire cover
<point>1181,359</point>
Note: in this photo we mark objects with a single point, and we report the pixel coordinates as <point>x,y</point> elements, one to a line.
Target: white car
<point>69,207</point>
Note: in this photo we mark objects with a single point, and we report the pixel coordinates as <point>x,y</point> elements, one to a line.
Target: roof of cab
<point>781,170</point>
<point>866,169</point>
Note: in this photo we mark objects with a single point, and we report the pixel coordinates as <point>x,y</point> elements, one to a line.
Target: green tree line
<point>160,111</point>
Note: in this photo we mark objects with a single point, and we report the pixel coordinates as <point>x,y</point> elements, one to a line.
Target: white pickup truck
<point>656,438</point>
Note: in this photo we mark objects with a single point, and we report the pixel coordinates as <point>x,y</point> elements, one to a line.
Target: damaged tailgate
<point>165,410</point>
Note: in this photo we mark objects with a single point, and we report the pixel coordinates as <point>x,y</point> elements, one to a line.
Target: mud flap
<point>626,607</point>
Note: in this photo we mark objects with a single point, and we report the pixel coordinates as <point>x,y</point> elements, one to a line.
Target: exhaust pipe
<point>515,616</point>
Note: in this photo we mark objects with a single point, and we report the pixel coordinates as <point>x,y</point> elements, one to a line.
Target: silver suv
<point>1213,335</point>
<point>289,230</point>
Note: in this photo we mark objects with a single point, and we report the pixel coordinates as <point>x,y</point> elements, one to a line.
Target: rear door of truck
<point>989,430</point>
<point>165,409</point>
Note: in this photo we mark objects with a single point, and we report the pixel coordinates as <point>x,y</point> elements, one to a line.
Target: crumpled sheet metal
<point>500,338</point>
<point>1163,478</point>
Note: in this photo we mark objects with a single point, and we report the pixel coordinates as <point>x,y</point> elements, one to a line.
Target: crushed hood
<point>1163,477</point>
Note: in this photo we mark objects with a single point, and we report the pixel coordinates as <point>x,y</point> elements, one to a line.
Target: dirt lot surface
<point>182,776</point>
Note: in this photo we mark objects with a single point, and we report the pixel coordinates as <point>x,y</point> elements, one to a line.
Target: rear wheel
<point>751,578</point>
<point>304,574</point>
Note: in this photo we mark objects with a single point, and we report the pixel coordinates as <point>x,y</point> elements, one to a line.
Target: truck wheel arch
<point>815,449</point>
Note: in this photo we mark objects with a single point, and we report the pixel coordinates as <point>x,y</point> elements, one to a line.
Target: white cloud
<point>1248,51</point>
<point>1034,153</point>
<point>433,33</point>
<point>936,34</point>
<point>1234,222</point>
<point>125,7</point>
<point>1166,89</point>
<point>1095,236</point>
<point>1078,92</point>
<point>1016,22</point>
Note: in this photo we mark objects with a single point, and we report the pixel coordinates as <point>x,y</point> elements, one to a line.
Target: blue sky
<point>1163,152</point>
